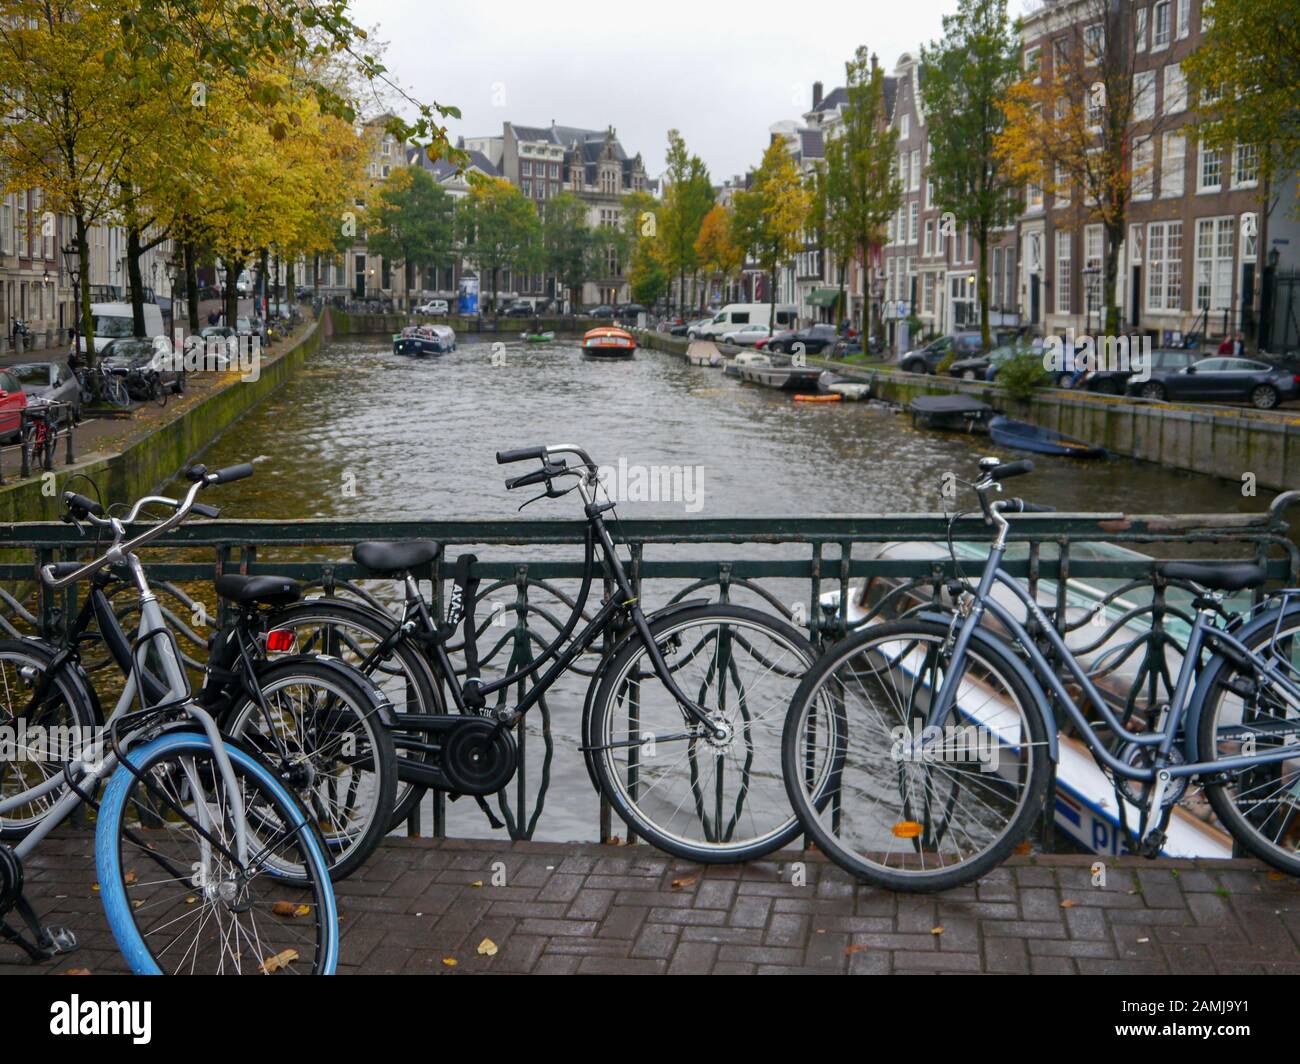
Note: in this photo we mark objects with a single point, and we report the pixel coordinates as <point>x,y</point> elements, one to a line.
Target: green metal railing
<point>784,563</point>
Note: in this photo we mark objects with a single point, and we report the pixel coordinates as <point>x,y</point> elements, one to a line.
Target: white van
<point>113,321</point>
<point>737,315</point>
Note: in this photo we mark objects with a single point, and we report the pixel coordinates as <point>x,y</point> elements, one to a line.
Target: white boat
<point>1087,809</point>
<point>703,353</point>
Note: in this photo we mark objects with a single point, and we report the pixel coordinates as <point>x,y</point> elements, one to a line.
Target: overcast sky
<point>722,74</point>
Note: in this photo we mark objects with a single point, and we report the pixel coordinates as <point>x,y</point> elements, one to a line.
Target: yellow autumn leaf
<point>487,948</point>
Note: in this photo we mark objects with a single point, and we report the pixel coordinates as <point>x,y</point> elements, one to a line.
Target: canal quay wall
<point>152,458</point>
<point>1217,441</point>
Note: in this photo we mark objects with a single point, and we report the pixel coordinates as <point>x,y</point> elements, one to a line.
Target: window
<point>1160,28</point>
<point>1214,263</point>
<point>929,236</point>
<point>1094,42</point>
<point>1245,165</point>
<point>1062,279</point>
<point>1184,18</point>
<point>929,192</point>
<point>1164,266</point>
<point>1144,95</point>
<point>1009,284</point>
<point>1060,54</point>
<point>1033,58</point>
<point>1093,242</point>
<point>1143,169</point>
<point>1175,89</point>
<point>1209,170</point>
<point>889,280</point>
<point>1172,155</point>
<point>995,274</point>
<point>526,168</point>
<point>904,127</point>
<point>1134,248</point>
<point>1034,198</point>
<point>7,226</point>
<point>555,171</point>
<point>528,188</point>
<point>24,245</point>
<point>1140,31</point>
<point>916,170</point>
<point>1093,96</point>
<point>914,228</point>
<point>1249,237</point>
<point>903,172</point>
<point>927,294</point>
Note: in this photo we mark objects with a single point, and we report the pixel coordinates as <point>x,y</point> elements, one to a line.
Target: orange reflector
<point>279,640</point>
<point>907,829</point>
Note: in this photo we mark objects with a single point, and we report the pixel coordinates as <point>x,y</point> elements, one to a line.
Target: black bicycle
<point>320,724</point>
<point>682,719</point>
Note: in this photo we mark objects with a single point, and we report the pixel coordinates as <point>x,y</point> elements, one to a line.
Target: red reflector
<point>278,640</point>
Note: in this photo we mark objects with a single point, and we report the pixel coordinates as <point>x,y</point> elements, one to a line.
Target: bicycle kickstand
<point>46,942</point>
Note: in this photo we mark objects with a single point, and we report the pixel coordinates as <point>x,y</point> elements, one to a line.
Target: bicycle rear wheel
<point>1259,805</point>
<point>321,730</point>
<point>895,805</point>
<point>176,898</point>
<point>681,790</point>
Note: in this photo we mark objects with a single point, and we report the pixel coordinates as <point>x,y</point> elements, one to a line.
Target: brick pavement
<point>555,908</point>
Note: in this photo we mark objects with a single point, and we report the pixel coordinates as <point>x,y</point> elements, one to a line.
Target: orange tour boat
<point>607,341</point>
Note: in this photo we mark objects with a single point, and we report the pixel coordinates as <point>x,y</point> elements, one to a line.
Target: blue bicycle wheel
<point>176,898</point>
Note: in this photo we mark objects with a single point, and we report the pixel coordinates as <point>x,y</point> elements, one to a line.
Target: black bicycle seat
<point>1217,576</point>
<point>255,590</point>
<point>380,556</point>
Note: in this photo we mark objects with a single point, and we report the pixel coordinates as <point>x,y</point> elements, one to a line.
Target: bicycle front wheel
<point>177,899</point>
<point>897,804</point>
<point>116,392</point>
<point>680,789</point>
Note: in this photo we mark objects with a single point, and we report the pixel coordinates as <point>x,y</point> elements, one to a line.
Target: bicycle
<point>917,752</point>
<point>695,774</point>
<point>195,835</point>
<point>101,384</point>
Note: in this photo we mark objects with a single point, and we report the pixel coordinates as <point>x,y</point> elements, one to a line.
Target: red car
<point>13,401</point>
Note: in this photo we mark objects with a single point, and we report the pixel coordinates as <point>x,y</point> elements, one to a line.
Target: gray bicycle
<point>916,753</point>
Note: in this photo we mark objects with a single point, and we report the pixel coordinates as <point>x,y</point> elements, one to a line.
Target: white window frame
<point>1164,272</point>
<point>1204,155</point>
<point>1061,278</point>
<point>914,223</point>
<point>1175,89</point>
<point>929,237</point>
<point>904,126</point>
<point>1213,264</point>
<point>1167,7</point>
<point>1140,30</point>
<point>1173,166</point>
<point>1237,155</point>
<point>1184,19</point>
<point>1144,168</point>
<point>1061,182</point>
<point>1144,95</point>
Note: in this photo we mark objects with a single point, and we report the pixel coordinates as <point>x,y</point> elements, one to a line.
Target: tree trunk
<point>135,280</point>
<point>771,300</point>
<point>83,265</point>
<point>233,270</point>
<point>259,308</point>
<point>192,286</point>
<point>982,289</point>
<point>1111,281</point>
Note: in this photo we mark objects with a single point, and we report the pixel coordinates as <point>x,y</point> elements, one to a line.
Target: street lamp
<point>72,267</point>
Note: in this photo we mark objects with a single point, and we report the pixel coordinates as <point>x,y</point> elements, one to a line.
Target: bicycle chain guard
<point>478,757</point>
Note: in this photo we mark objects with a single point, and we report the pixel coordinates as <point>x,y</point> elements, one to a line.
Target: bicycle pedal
<point>1152,845</point>
<point>59,939</point>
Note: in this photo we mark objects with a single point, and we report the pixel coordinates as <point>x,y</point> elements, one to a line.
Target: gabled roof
<point>833,101</point>
<point>443,170</point>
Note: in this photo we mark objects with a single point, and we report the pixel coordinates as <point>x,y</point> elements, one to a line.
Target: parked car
<point>133,358</point>
<point>520,308</point>
<point>602,311</point>
<point>1114,382</point>
<point>695,329</point>
<point>984,367</point>
<point>432,307</point>
<point>629,312</point>
<point>13,401</point>
<point>746,335</point>
<point>212,338</point>
<point>251,326</point>
<point>52,382</point>
<point>962,345</point>
<point>815,340</point>
<point>1222,380</point>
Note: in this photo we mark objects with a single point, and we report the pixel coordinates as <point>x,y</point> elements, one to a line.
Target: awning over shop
<point>824,297</point>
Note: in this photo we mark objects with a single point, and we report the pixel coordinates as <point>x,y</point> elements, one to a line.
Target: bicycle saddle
<point>1217,576</point>
<point>392,557</point>
<point>253,590</point>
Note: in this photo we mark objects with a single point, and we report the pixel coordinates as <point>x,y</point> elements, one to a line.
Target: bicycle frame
<point>1163,739</point>
<point>101,761</point>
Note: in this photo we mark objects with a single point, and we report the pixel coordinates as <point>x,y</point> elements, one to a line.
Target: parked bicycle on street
<point>917,752</point>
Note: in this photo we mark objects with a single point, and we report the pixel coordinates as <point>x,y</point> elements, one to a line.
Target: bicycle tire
<point>1243,823</point>
<point>116,392</point>
<point>405,676</point>
<point>347,843</point>
<point>881,826</point>
<point>158,391</point>
<point>118,842</point>
<point>732,804</point>
<point>81,712</point>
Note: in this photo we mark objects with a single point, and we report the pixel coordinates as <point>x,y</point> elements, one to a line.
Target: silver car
<point>52,381</point>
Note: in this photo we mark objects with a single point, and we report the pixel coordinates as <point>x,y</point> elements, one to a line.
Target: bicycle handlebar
<point>57,576</point>
<point>1010,469</point>
<point>520,454</point>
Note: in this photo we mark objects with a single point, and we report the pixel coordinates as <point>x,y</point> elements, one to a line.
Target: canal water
<point>361,433</point>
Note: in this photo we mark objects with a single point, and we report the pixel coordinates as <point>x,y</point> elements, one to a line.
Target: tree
<point>688,198</point>
<point>1071,131</point>
<point>410,221</point>
<point>1246,74</point>
<point>771,213</point>
<point>963,80</point>
<point>860,167</point>
<point>498,229</point>
<point>567,244</point>
<point>715,250</point>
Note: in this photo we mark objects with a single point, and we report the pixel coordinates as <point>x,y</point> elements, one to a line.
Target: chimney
<point>817,94</point>
<point>873,62</point>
